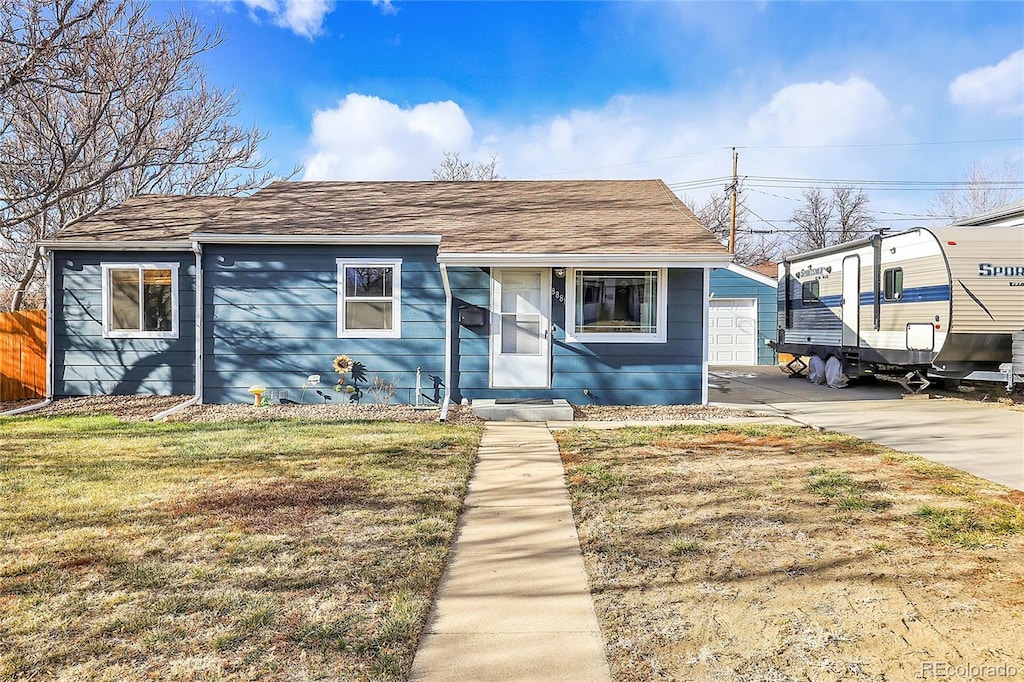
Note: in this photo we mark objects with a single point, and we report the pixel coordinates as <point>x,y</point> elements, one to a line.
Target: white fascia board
<point>751,274</point>
<point>370,239</point>
<point>578,260</point>
<point>70,245</point>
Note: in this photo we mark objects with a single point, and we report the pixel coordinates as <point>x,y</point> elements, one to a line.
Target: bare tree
<point>828,219</point>
<point>715,213</point>
<point>981,190</point>
<point>454,169</point>
<point>99,101</point>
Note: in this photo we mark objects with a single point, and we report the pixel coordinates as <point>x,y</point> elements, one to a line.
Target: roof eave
<point>646,260</point>
<point>371,239</point>
<point>93,245</point>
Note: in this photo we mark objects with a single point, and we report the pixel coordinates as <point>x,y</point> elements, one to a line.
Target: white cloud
<point>821,113</point>
<point>368,138</point>
<point>304,17</point>
<point>674,137</point>
<point>385,6</point>
<point>999,87</point>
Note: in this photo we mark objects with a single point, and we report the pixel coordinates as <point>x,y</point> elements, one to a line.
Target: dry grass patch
<point>776,553</point>
<point>270,550</point>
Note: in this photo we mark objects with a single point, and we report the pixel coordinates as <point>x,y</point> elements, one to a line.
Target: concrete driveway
<point>985,440</point>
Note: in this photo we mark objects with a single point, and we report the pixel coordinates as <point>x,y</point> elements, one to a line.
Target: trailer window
<point>892,285</point>
<point>809,293</point>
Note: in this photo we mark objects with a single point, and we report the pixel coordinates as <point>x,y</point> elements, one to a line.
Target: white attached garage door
<point>732,331</point>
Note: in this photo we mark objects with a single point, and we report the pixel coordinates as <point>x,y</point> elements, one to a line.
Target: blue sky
<point>378,90</point>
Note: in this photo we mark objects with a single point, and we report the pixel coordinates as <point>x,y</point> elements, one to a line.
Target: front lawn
<point>268,550</point>
<point>776,553</point>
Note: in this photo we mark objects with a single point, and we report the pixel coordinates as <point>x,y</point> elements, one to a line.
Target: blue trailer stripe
<point>937,292</point>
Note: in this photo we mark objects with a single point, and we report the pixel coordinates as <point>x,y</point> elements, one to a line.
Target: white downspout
<point>48,398</point>
<point>197,248</point>
<point>197,399</point>
<point>449,302</point>
<point>706,351</point>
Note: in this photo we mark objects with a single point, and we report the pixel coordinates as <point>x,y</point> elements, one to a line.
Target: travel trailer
<point>942,303</point>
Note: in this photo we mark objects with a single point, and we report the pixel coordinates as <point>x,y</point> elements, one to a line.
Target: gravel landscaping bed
<point>142,408</point>
<point>398,413</point>
<point>655,412</point>
<point>133,408</point>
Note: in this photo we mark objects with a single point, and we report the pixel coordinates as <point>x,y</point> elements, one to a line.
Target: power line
<point>782,182</point>
<point>909,216</point>
<point>769,147</point>
<point>883,144</point>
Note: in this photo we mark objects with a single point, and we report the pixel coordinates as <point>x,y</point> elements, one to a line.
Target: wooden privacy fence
<point>23,355</point>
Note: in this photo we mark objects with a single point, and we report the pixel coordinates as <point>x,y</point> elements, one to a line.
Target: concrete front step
<point>527,411</point>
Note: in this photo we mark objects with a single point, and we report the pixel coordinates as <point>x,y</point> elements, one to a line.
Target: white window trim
<point>396,298</point>
<point>659,336</point>
<point>109,333</point>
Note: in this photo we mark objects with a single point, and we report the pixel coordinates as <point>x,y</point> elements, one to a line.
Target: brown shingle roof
<point>149,217</point>
<point>515,217</point>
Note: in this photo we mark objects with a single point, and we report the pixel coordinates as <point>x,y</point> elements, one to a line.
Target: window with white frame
<point>369,298</point>
<point>140,300</point>
<point>616,306</point>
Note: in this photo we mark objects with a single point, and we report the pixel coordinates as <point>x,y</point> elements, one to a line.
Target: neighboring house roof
<point>499,217</point>
<point>755,273</point>
<point>768,269</point>
<point>1007,215</point>
<point>150,217</point>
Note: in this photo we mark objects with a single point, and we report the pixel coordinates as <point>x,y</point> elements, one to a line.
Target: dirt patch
<point>275,505</point>
<point>773,553</point>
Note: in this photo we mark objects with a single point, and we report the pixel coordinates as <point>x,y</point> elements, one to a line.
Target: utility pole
<point>733,189</point>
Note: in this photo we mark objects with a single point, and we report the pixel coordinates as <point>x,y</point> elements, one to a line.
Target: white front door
<point>851,301</point>
<point>520,328</point>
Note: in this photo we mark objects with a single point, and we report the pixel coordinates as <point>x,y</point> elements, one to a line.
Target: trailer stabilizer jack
<point>914,382</point>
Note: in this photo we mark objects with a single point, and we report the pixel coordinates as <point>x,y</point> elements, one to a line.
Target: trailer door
<point>851,301</point>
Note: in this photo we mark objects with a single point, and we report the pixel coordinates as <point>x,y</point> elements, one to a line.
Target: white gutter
<point>707,350</point>
<point>370,239</point>
<point>632,260</point>
<point>49,343</point>
<point>197,248</point>
<point>449,302</point>
<point>72,245</point>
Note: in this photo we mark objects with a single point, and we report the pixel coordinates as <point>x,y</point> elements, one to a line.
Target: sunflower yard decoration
<point>356,373</point>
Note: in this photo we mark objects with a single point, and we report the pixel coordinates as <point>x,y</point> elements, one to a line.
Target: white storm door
<point>520,328</point>
<point>851,301</point>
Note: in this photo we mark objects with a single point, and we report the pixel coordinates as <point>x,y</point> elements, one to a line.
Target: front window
<point>369,298</point>
<point>892,284</point>
<point>140,300</point>
<point>617,305</point>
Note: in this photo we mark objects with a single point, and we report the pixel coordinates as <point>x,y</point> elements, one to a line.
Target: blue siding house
<point>589,291</point>
<point>741,317</point>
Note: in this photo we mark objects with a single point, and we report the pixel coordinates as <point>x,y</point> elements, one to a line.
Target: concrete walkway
<point>514,603</point>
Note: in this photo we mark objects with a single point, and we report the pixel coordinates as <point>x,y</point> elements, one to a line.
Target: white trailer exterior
<point>944,302</point>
